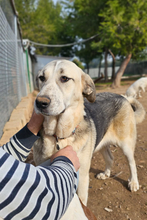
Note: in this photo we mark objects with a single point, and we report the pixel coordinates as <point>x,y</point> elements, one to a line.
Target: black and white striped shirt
<point>28,192</point>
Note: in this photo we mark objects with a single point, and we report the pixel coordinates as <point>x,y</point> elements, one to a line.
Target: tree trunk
<point>99,69</point>
<point>117,80</point>
<point>113,65</point>
<point>106,65</point>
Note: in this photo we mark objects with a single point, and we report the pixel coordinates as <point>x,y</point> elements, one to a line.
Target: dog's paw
<point>102,176</point>
<point>133,186</point>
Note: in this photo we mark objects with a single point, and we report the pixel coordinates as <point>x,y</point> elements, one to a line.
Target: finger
<point>69,146</point>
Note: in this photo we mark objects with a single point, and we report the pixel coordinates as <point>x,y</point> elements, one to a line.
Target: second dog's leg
<point>105,151</point>
<point>143,88</point>
<point>139,93</point>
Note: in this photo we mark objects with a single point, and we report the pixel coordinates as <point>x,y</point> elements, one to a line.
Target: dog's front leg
<point>83,185</point>
<point>85,162</point>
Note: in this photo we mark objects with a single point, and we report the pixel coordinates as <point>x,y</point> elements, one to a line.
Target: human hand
<point>70,154</point>
<point>35,123</point>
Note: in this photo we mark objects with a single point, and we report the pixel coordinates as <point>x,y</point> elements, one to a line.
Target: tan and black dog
<point>88,125</point>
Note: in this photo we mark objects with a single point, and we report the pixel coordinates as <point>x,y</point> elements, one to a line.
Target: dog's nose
<point>42,102</point>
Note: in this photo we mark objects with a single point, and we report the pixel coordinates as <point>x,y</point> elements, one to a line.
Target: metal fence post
<point>17,69</point>
<point>28,70</point>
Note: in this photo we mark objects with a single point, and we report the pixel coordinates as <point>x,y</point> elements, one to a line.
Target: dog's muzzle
<point>42,102</point>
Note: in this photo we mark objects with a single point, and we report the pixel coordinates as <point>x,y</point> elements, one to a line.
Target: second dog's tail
<point>137,108</point>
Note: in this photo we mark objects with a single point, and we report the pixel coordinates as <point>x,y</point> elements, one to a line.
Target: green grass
<point>103,83</point>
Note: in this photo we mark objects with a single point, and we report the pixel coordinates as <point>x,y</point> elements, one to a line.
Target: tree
<point>78,63</point>
<point>86,54</point>
<point>84,21</point>
<point>121,24</point>
<point>113,65</point>
<point>124,29</point>
<point>42,21</point>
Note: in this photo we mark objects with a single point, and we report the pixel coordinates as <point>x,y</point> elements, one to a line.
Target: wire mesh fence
<point>13,75</point>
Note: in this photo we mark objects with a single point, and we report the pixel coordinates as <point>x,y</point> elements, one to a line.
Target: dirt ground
<point>113,193</point>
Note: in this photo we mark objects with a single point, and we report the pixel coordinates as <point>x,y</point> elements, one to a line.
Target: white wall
<point>93,72</point>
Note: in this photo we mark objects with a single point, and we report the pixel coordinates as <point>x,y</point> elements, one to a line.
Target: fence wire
<point>13,79</point>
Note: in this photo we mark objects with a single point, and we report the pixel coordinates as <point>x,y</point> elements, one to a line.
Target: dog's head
<point>62,84</point>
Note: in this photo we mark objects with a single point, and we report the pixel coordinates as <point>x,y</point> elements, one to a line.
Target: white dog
<point>137,87</point>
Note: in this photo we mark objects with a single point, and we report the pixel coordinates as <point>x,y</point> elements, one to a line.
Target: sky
<point>55,1</point>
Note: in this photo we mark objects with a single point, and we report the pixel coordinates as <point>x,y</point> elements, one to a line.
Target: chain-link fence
<point>13,73</point>
<point>133,69</point>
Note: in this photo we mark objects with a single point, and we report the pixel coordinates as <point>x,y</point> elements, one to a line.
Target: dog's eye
<point>64,79</point>
<point>42,78</point>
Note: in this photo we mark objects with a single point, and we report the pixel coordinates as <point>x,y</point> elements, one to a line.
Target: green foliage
<point>124,27</point>
<point>41,21</point>
<point>121,26</point>
<point>83,20</point>
<point>83,16</point>
<point>78,63</point>
<point>86,53</point>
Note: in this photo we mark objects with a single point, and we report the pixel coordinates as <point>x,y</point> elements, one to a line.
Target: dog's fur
<point>88,127</point>
<point>78,211</point>
<point>137,87</point>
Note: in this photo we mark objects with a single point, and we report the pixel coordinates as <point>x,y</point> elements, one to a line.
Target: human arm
<point>70,154</point>
<point>28,192</point>
<point>21,143</point>
<point>42,192</point>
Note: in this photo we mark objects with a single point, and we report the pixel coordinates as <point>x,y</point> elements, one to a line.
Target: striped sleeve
<point>28,192</point>
<point>20,144</point>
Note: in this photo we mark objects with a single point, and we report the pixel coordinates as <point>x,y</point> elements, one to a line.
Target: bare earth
<point>113,193</point>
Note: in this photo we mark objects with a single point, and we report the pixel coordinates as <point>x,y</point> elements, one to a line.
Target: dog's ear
<point>88,87</point>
